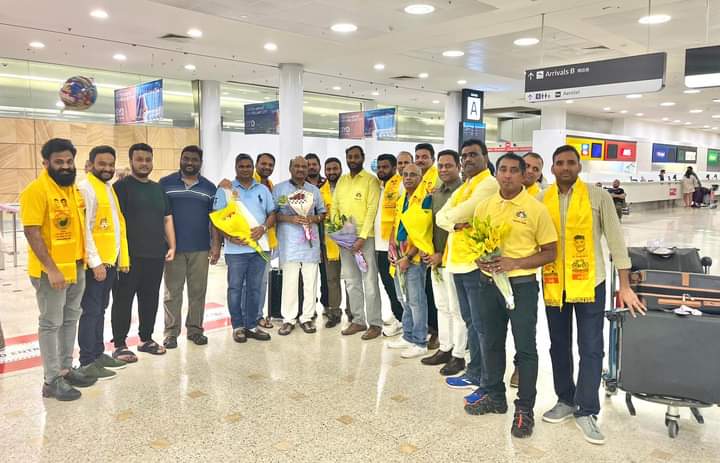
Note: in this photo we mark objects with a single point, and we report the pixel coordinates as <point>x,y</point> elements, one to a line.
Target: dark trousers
<point>142,280</point>
<point>468,291</point>
<point>494,318</point>
<point>590,322</point>
<point>244,270</point>
<point>92,320</point>
<point>431,307</point>
<point>383,263</point>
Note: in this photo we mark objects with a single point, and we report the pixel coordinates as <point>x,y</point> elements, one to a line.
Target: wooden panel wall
<point>22,139</point>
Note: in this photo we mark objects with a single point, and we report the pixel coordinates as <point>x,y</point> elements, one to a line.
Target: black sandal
<point>151,347</point>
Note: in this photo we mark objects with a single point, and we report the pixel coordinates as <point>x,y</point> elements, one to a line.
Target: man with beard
<point>55,264</point>
<point>191,198</point>
<point>313,170</point>
<point>106,252</point>
<point>390,186</point>
<point>331,252</point>
<point>151,243</point>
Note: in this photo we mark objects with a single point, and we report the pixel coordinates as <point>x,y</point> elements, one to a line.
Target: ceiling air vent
<point>175,37</point>
<point>403,78</point>
<point>597,47</point>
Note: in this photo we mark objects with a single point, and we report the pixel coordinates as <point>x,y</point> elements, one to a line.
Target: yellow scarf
<point>64,238</point>
<point>331,248</point>
<point>388,203</point>
<point>574,268</point>
<point>461,249</point>
<point>533,189</point>
<point>430,180</point>
<point>418,224</point>
<point>271,234</point>
<point>103,232</point>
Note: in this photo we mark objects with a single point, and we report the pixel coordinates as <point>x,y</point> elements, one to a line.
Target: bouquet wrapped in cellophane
<point>486,239</point>
<point>302,202</point>
<point>341,230</point>
<point>231,220</point>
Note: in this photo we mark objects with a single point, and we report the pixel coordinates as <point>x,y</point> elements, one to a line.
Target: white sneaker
<point>414,351</point>
<point>392,329</point>
<point>399,344</point>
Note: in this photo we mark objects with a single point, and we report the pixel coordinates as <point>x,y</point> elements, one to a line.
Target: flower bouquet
<point>233,221</point>
<point>486,239</point>
<point>341,230</point>
<point>301,202</point>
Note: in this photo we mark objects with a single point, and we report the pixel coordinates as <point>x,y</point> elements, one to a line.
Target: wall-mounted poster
<point>352,125</point>
<point>380,124</point>
<point>686,154</point>
<point>664,153</point>
<point>262,117</point>
<point>140,103</point>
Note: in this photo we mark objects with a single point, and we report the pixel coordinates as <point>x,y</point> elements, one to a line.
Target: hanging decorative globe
<point>78,93</point>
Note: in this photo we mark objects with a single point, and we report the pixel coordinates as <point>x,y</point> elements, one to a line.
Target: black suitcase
<point>679,260</point>
<point>666,355</point>
<point>275,280</point>
<point>661,290</point>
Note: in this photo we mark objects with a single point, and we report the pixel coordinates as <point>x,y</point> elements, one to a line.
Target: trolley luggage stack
<point>663,357</point>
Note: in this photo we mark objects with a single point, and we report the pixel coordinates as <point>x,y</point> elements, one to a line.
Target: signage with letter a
<point>474,111</point>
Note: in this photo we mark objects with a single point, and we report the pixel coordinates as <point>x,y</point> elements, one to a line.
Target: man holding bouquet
<point>530,242</point>
<point>300,209</point>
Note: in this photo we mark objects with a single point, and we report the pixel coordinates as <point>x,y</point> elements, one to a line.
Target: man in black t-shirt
<point>151,242</point>
<point>618,196</point>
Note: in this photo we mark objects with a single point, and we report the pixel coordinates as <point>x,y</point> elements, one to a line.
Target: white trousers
<point>290,279</point>
<point>452,331</point>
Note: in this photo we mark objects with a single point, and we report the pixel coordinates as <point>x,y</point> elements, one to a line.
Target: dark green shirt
<point>439,198</point>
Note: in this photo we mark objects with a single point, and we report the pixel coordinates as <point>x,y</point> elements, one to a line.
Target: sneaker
<point>460,382</point>
<point>523,423</point>
<point>61,390</point>
<point>392,329</point>
<point>414,351</point>
<point>474,396</point>
<point>95,370</point>
<point>110,363</point>
<point>76,378</point>
<point>591,431</point>
<point>559,413</point>
<point>399,344</point>
<point>486,405</point>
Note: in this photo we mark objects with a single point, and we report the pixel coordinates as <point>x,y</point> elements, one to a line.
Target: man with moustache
<point>56,265</point>
<point>313,170</point>
<point>151,243</point>
<point>191,198</point>
<point>106,252</point>
<point>404,158</point>
<point>264,168</point>
<point>332,296</point>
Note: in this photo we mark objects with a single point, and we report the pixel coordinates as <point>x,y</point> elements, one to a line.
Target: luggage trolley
<point>612,376</point>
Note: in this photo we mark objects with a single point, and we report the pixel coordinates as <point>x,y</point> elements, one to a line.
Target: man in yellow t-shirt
<point>52,212</point>
<point>530,244</point>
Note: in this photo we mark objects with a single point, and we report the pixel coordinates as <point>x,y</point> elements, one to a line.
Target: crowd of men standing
<point>97,238</point>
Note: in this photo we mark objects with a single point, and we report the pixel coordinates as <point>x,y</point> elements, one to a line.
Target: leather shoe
<point>334,316</point>
<point>170,342</point>
<point>239,335</point>
<point>257,334</point>
<point>308,327</point>
<point>286,329</point>
<point>438,358</point>
<point>61,390</point>
<point>453,367</point>
<point>434,342</point>
<point>353,328</point>
<point>372,333</point>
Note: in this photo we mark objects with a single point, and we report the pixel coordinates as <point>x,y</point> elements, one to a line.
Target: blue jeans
<point>590,322</point>
<point>469,296</point>
<point>244,270</point>
<point>263,292</point>
<point>415,307</point>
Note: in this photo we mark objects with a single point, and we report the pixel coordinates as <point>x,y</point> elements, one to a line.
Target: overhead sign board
<point>632,74</point>
<point>472,105</point>
<point>262,118</point>
<point>702,67</point>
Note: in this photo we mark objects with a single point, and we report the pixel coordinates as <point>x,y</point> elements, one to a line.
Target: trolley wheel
<point>673,429</point>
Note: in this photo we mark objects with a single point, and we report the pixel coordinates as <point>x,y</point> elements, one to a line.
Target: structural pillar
<point>291,114</point>
<point>210,122</point>
<point>453,110</point>
<point>553,118</point>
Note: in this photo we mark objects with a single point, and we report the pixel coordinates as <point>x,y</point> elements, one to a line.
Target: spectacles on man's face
<point>469,154</point>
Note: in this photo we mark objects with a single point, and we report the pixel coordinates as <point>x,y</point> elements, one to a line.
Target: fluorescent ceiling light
<point>526,41</point>
<point>99,14</point>
<point>696,111</point>
<point>462,82</point>
<point>375,93</point>
<point>716,100</point>
<point>119,57</point>
<point>715,128</point>
<point>666,119</point>
<point>687,123</point>
<point>639,114</point>
<point>423,75</point>
<point>703,80</point>
<point>706,126</point>
<point>337,88</point>
<point>343,27</point>
<point>270,46</point>
<point>607,108</point>
<point>633,96</point>
<point>379,67</point>
<point>655,19</point>
<point>691,91</point>
<point>624,111</point>
<point>194,33</point>
<point>453,53</point>
<point>436,101</point>
<point>667,103</point>
<point>37,45</point>
<point>677,121</point>
<point>190,67</point>
<point>716,116</point>
<point>419,8</point>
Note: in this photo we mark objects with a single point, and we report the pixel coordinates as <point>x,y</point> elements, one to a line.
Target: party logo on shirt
<point>520,217</point>
<point>358,196</point>
<point>103,224</point>
<point>282,200</point>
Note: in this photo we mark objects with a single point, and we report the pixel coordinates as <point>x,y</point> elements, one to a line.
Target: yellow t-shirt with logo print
<point>530,225</point>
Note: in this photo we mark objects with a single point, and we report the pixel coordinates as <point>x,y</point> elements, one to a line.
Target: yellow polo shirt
<point>530,225</point>
<point>357,198</point>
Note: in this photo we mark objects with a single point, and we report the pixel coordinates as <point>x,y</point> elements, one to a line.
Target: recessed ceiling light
<point>99,14</point>
<point>570,101</point>
<point>270,46</point>
<point>266,98</point>
<point>666,119</point>
<point>423,75</point>
<point>607,108</point>
<point>436,101</point>
<point>453,53</point>
<point>379,66</point>
<point>462,82</point>
<point>624,111</point>
<point>655,19</point>
<point>716,100</point>
<point>639,114</point>
<point>715,128</point>
<point>677,121</point>
<point>696,111</point>
<point>633,96</point>
<point>194,33</point>
<point>687,123</point>
<point>119,57</point>
<point>667,103</point>
<point>419,8</point>
<point>343,27</point>
<point>706,126</point>
<point>716,116</point>
<point>526,41</point>
<point>690,91</point>
<point>59,104</point>
<point>190,67</point>
<point>36,45</point>
<point>337,87</point>
<point>375,93</point>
